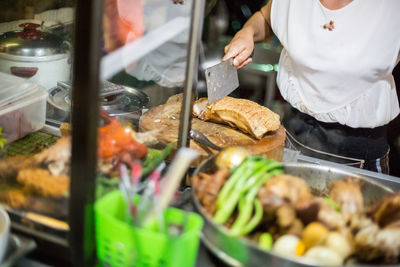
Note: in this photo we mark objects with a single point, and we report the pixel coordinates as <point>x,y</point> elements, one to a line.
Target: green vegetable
<point>241,190</point>
<point>256,218</point>
<point>246,207</point>
<point>154,158</point>
<point>245,211</point>
<point>331,203</point>
<point>266,241</point>
<point>237,174</point>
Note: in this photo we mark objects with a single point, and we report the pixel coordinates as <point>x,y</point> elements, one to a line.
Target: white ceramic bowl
<point>4,232</point>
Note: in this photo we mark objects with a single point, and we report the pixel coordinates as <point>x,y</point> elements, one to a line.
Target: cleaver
<point>221,80</point>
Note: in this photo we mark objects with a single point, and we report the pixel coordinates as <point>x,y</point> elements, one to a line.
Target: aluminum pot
<point>39,56</point>
<point>243,252</point>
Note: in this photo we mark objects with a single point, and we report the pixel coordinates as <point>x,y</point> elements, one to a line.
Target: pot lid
<point>30,42</point>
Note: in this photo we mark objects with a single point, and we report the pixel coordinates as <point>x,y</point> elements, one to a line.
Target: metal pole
<point>87,54</point>
<point>189,91</point>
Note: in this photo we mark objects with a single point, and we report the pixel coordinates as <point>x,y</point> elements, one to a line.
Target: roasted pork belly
<point>243,114</point>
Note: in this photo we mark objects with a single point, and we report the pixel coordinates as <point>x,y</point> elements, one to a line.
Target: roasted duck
<point>243,114</point>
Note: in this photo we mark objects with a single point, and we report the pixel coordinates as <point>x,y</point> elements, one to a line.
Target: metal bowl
<point>244,252</point>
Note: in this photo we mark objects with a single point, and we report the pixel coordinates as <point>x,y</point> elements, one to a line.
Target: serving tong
<point>202,139</point>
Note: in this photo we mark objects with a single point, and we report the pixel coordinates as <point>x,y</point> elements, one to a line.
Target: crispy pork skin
<point>243,114</point>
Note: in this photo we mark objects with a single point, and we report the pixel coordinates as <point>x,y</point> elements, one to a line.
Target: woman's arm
<point>256,29</point>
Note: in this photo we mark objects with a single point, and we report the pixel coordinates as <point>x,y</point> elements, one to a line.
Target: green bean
<point>155,159</point>
<point>239,183</point>
<point>246,205</point>
<point>222,215</point>
<point>243,171</point>
<point>248,176</point>
<point>227,205</point>
<point>245,211</point>
<point>256,218</point>
<point>229,185</point>
<point>271,165</point>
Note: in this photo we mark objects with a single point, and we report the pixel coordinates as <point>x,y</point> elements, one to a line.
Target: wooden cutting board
<point>165,120</point>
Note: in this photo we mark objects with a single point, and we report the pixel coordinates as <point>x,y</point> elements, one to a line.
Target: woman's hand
<point>240,48</point>
<point>256,29</point>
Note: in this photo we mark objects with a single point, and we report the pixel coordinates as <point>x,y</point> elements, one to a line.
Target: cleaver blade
<point>221,80</point>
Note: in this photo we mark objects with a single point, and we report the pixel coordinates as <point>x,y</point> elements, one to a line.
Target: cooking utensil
<point>243,252</point>
<point>41,57</point>
<point>221,79</point>
<point>202,139</point>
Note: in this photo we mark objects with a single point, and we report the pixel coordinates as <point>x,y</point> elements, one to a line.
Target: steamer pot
<point>39,56</point>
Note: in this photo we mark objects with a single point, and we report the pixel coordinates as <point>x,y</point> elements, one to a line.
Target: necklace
<point>328,26</point>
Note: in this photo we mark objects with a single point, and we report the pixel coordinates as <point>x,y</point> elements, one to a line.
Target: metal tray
<point>243,252</point>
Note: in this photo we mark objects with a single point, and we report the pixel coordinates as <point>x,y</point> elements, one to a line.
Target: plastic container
<point>120,244</point>
<point>8,82</point>
<point>24,113</point>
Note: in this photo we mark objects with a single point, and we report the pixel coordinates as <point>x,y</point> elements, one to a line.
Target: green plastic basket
<point>120,244</point>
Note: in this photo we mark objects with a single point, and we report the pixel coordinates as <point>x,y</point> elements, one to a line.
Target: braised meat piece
<point>373,242</point>
<point>328,216</point>
<point>287,221</point>
<point>307,210</point>
<point>283,189</point>
<point>387,210</point>
<point>279,197</point>
<point>316,209</point>
<point>286,215</point>
<point>207,188</point>
<point>347,194</point>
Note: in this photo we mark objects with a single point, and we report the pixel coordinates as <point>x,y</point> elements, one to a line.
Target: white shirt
<point>343,75</point>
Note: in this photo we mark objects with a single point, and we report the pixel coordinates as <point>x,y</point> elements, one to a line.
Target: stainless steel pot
<point>243,252</point>
<point>41,57</point>
<point>122,102</point>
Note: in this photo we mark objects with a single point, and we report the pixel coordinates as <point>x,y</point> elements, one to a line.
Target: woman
<point>336,72</point>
